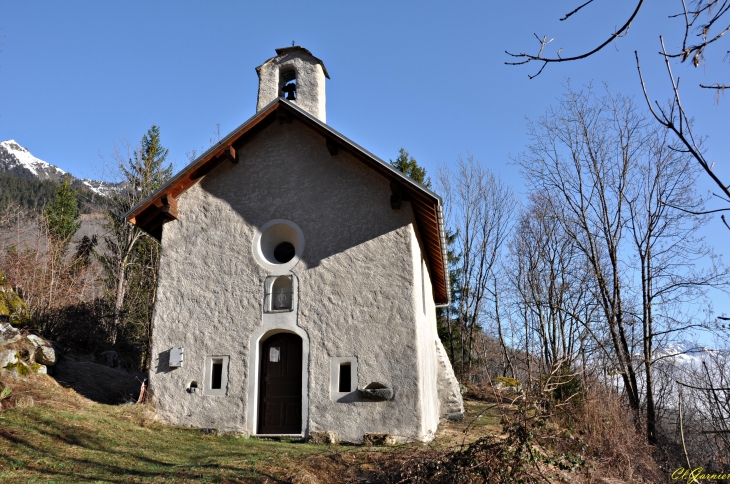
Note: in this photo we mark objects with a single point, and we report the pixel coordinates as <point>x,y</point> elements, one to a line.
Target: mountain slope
<point>27,193</point>
<point>686,353</point>
<point>17,161</point>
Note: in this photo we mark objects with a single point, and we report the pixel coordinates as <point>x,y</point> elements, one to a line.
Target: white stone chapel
<point>299,280</point>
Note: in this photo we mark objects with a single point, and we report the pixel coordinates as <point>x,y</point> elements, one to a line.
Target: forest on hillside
<point>34,195</point>
<point>25,193</point>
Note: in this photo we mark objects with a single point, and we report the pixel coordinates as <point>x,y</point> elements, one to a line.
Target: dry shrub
<point>584,441</point>
<point>39,391</point>
<point>45,272</point>
<point>612,441</point>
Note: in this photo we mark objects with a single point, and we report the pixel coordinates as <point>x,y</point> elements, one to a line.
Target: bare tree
<point>702,21</point>
<point>479,211</point>
<point>581,153</point>
<point>662,222</point>
<point>552,289</point>
<point>626,201</point>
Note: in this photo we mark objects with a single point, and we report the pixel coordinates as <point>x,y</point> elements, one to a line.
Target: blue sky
<point>77,77</point>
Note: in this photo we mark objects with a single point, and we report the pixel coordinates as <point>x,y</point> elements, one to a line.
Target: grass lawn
<point>51,434</point>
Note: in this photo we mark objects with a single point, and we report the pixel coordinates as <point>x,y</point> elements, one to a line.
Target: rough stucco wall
<point>310,83</point>
<point>426,334</point>
<point>355,278</point>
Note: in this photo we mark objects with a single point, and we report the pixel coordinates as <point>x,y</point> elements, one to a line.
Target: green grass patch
<point>52,434</point>
<point>105,443</point>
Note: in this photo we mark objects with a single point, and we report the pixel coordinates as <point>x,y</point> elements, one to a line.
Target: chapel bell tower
<point>294,74</point>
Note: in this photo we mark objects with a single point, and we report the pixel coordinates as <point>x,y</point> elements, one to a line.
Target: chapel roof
<point>150,214</point>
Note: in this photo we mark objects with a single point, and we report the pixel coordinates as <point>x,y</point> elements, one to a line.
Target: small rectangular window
<point>345,377</point>
<point>217,374</point>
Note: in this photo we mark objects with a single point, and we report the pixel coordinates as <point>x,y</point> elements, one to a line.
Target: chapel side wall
<point>355,274</point>
<point>427,335</point>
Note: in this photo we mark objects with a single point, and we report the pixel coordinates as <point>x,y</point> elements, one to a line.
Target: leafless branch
<point>701,388</point>
<point>690,17</point>
<point>678,123</point>
<point>575,11</point>
<point>705,212</point>
<point>697,49</point>
<point>546,60</point>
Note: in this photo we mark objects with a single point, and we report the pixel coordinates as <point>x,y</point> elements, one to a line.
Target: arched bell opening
<point>288,83</point>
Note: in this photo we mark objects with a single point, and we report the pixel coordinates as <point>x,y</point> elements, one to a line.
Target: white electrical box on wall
<point>176,357</point>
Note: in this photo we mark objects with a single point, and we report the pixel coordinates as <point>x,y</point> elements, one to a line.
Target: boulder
<point>37,340</point>
<point>322,437</point>
<point>378,439</point>
<point>8,334</point>
<point>8,357</point>
<point>44,353</point>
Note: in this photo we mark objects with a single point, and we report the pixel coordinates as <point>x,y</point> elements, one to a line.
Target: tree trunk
<point>118,301</point>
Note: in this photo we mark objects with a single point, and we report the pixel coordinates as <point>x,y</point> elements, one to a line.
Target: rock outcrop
<point>44,352</point>
<point>12,307</point>
<point>8,334</point>
<point>22,354</point>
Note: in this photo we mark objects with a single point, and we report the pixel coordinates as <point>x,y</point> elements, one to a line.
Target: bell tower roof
<point>296,48</point>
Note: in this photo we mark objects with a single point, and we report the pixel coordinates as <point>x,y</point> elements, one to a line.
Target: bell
<point>290,90</point>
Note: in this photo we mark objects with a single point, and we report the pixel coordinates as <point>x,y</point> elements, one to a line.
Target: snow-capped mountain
<point>18,161</point>
<point>686,353</point>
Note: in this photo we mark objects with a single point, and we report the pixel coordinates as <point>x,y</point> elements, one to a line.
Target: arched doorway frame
<point>254,373</point>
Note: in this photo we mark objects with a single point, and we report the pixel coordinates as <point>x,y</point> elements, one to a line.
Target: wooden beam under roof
<point>169,206</point>
<point>332,146</point>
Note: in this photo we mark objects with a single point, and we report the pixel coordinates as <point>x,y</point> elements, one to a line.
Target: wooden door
<point>280,392</point>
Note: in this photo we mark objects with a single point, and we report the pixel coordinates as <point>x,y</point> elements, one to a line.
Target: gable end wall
<point>356,289</point>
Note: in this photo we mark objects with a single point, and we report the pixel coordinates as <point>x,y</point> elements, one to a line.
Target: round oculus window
<point>284,252</point>
<point>278,245</point>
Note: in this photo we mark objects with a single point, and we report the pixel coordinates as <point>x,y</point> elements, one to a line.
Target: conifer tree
<point>131,255</point>
<point>62,213</point>
<point>410,167</point>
